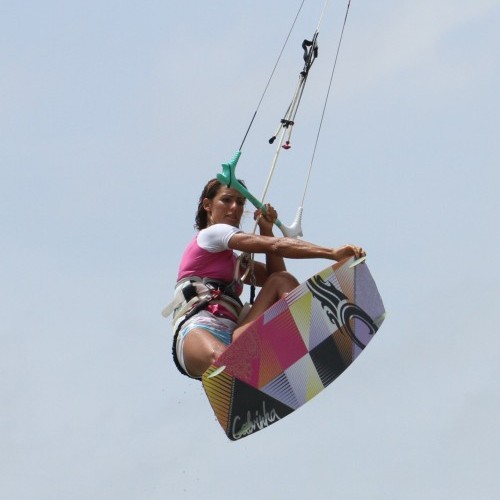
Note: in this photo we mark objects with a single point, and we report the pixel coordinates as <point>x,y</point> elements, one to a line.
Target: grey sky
<point>112,117</point>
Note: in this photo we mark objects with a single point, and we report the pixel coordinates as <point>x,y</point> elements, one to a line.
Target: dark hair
<point>209,191</point>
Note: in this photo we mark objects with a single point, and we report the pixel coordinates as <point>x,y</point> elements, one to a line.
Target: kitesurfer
<point>207,306</point>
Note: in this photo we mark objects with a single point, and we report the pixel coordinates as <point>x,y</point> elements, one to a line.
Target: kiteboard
<point>299,346</point>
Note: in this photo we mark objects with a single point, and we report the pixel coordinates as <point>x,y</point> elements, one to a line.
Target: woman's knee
<point>283,281</point>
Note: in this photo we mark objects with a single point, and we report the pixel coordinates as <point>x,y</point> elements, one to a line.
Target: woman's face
<point>226,207</point>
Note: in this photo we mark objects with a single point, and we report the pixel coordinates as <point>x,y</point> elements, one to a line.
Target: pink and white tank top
<point>208,254</point>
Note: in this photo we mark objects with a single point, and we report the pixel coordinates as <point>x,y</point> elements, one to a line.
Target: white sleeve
<point>216,238</point>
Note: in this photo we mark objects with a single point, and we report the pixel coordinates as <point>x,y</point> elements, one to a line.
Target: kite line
<point>284,130</point>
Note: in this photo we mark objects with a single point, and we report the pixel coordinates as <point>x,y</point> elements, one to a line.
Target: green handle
<point>228,178</point>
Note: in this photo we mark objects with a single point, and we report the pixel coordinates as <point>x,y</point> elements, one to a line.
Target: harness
<point>192,295</point>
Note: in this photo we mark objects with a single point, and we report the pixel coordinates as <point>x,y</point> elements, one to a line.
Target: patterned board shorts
<point>221,328</point>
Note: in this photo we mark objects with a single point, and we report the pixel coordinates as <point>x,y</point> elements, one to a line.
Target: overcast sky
<point>112,117</point>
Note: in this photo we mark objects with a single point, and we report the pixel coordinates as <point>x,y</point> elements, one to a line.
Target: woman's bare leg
<point>276,286</point>
<point>200,349</point>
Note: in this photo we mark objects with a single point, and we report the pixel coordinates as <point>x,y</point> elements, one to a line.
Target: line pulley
<point>310,48</point>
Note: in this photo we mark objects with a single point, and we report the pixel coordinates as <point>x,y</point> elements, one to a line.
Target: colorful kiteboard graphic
<point>292,352</point>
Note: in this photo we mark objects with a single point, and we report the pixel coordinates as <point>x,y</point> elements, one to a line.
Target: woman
<point>206,311</point>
